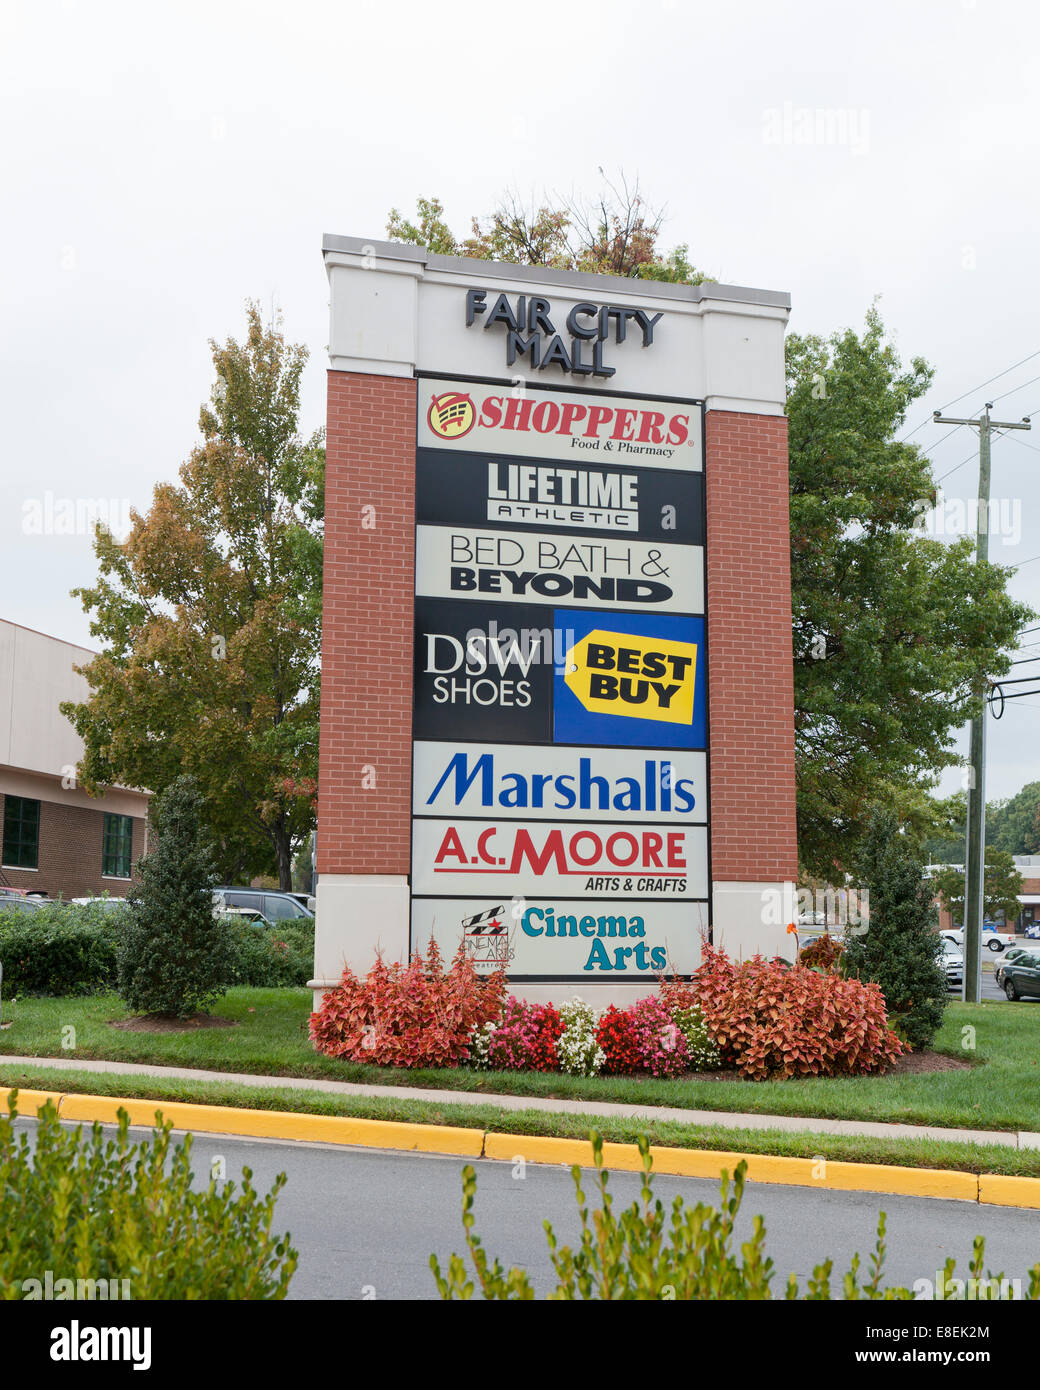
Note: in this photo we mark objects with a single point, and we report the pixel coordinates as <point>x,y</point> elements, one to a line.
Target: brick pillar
<point>366,684</point>
<point>750,676</point>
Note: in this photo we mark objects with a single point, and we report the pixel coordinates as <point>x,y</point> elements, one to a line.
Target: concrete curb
<point>989,1189</point>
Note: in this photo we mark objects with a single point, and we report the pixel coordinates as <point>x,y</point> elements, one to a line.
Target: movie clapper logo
<point>487,937</point>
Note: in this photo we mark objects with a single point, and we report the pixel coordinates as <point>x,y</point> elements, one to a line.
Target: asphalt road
<point>366,1221</point>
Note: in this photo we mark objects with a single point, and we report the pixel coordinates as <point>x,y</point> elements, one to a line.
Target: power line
<point>1014,389</point>
<point>973,389</point>
<point>972,455</point>
<point>1015,440</point>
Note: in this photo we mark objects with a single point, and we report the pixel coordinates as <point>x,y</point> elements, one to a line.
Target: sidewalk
<point>724,1119</point>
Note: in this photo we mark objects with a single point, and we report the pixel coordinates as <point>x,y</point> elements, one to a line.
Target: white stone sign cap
<point>397,309</point>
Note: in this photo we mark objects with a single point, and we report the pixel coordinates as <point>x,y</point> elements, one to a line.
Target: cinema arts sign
<point>566,440</point>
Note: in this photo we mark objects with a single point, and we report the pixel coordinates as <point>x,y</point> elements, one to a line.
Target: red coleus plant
<point>414,1015</point>
<point>770,1019</point>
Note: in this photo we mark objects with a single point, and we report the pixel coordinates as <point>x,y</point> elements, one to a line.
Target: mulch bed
<point>166,1023</point>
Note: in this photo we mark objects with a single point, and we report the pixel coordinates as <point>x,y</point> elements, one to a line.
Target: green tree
<point>176,956</point>
<point>1002,884</point>
<point>892,628</point>
<point>901,948</point>
<point>1015,823</point>
<point>210,618</point>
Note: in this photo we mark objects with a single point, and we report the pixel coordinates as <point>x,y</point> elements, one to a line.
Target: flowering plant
<point>578,1051</point>
<point>526,1038</point>
<point>616,1036</point>
<point>701,1052</point>
<point>661,1044</point>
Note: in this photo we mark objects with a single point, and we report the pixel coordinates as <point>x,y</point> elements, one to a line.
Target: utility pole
<point>975,834</point>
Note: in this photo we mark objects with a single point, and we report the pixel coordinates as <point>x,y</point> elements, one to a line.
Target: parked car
<point>953,958</point>
<point>1022,976</point>
<point>996,938</point>
<point>1008,959</point>
<point>13,903</point>
<point>245,914</point>
<point>106,902</point>
<point>992,937</point>
<point>276,907</point>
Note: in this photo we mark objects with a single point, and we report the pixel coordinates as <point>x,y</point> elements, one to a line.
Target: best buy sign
<point>638,677</point>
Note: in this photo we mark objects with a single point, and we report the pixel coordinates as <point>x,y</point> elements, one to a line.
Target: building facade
<point>557,690</point>
<point>57,840</point>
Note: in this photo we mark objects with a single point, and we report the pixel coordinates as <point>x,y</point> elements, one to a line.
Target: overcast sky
<point>162,163</point>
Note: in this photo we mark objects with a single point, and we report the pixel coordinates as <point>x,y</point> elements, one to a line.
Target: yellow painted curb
<point>28,1102</point>
<point>277,1124</point>
<point>1000,1190</point>
<point>905,1182</point>
<point>537,1148</point>
<point>709,1163</point>
<point>823,1173</point>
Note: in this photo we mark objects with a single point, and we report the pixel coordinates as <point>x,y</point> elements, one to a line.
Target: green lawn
<point>912,1153</point>
<point>1002,1091</point>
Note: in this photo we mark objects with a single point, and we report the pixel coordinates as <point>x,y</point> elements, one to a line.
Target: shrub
<point>661,1043</point>
<point>822,953</point>
<point>686,1253</point>
<point>617,1038</point>
<point>279,957</point>
<point>578,1051</point>
<point>901,950</point>
<point>79,1203</point>
<point>773,1020</point>
<point>176,957</point>
<point>62,949</point>
<point>414,1015</point>
<point>526,1039</point>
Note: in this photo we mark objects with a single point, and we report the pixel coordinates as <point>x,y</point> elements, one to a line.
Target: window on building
<point>21,832</point>
<point>118,846</point>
